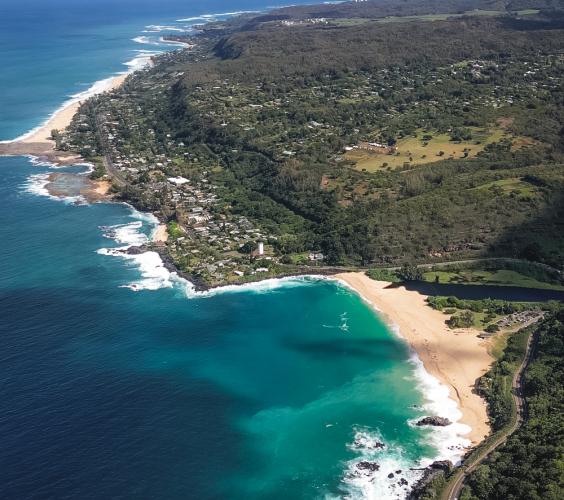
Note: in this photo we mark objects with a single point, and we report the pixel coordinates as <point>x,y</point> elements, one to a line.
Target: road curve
<point>453,488</point>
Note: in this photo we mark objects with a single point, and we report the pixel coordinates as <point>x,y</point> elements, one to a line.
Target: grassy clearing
<point>501,277</point>
<point>499,343</point>
<point>526,12</point>
<point>511,186</point>
<point>429,17</point>
<point>422,149</point>
<point>440,17</point>
<point>351,21</point>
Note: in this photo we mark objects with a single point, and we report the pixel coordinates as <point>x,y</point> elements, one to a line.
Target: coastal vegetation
<point>482,277</point>
<point>319,139</point>
<point>488,315</point>
<point>274,150</point>
<point>529,464</point>
<point>526,464</point>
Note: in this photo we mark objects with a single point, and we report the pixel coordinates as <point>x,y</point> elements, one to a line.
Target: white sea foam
<point>142,59</point>
<point>449,441</point>
<point>38,162</point>
<point>96,88</point>
<point>190,19</point>
<point>36,184</point>
<point>146,40</point>
<point>363,483</point>
<point>264,286</point>
<point>128,234</point>
<point>174,42</point>
<point>143,216</point>
<point>155,28</point>
<point>213,17</point>
<point>154,274</point>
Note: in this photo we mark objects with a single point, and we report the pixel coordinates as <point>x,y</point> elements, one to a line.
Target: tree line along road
<point>453,488</point>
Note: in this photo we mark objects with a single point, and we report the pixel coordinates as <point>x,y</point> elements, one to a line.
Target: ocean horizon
<point>120,380</point>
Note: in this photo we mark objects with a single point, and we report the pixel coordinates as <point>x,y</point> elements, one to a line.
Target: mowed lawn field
<point>415,150</point>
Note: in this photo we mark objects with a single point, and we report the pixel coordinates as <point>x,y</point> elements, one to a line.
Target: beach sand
<point>39,143</point>
<point>62,119</point>
<point>161,234</point>
<point>455,357</point>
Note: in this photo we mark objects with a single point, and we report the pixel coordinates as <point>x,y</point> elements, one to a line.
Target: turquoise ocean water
<point>277,390</point>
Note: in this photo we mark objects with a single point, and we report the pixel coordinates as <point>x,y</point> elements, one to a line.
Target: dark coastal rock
<point>434,421</point>
<point>200,284</point>
<point>136,250</point>
<point>398,471</point>
<point>419,487</point>
<point>391,475</point>
<point>376,445</point>
<point>403,482</point>
<point>365,465</point>
<point>444,465</point>
<point>436,469</point>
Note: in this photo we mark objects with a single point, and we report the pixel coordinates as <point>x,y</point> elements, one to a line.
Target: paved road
<point>453,489</point>
<point>113,172</point>
<point>117,177</point>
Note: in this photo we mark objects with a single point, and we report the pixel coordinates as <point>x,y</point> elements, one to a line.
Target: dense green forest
<point>383,8</point>
<point>469,110</point>
<point>529,465</point>
<point>390,216</point>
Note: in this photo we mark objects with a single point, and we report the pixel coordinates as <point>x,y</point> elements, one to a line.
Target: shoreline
<point>456,358</point>
<point>422,328</point>
<point>38,143</point>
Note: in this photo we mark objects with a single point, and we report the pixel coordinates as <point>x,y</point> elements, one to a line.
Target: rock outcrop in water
<point>362,443</point>
<point>365,465</point>
<point>444,465</point>
<point>434,421</point>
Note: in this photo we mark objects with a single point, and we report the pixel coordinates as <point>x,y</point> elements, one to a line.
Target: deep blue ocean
<point>273,391</point>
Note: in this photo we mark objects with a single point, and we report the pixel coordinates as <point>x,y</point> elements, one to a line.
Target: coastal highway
<point>454,486</point>
<point>112,171</point>
<point>116,176</point>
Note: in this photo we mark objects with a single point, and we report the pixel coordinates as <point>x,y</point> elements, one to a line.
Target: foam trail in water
<point>96,88</point>
<point>155,28</point>
<point>264,286</point>
<point>216,17</point>
<point>146,40</point>
<point>174,42</point>
<point>154,274</point>
<point>142,60</point>
<point>449,441</point>
<point>36,184</point>
<point>380,470</point>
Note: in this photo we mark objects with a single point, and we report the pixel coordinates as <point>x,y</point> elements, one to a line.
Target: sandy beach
<point>40,143</point>
<point>161,234</point>
<point>455,357</point>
